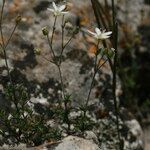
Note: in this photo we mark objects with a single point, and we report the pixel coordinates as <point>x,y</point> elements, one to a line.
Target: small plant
<point>99,35</point>
<point>113,64</point>
<point>21,123</point>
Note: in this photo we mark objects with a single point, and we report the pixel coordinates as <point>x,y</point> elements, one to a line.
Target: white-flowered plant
<point>100,34</point>
<point>58,11</point>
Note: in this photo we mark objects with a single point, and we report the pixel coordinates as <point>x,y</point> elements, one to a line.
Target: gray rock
<point>130,12</point>
<point>72,143</point>
<point>91,136</point>
<point>19,147</point>
<point>135,135</point>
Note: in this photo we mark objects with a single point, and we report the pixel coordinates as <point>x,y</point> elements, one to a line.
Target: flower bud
<point>18,19</point>
<point>45,31</point>
<point>111,52</point>
<point>37,51</point>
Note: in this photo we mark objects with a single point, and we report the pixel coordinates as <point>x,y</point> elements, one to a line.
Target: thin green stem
<point>6,63</point>
<point>95,71</point>
<point>62,40</point>
<point>91,86</point>
<point>58,64</point>
<point>115,45</point>
<point>102,64</point>
<point>114,95</point>
<point>10,37</point>
<point>109,60</point>
<point>100,22</point>
<point>113,12</point>
<point>53,31</point>
<point>62,32</point>
<point>62,84</point>
<point>51,48</point>
<point>1,20</point>
<point>47,59</point>
<point>50,41</point>
<point>63,46</point>
<point>101,58</point>
<point>68,41</point>
<point>3,46</point>
<point>4,51</point>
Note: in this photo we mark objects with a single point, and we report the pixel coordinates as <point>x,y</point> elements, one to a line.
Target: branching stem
<point>4,46</point>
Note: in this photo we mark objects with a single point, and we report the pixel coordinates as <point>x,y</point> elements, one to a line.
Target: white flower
<point>57,11</point>
<point>100,34</point>
<point>112,49</point>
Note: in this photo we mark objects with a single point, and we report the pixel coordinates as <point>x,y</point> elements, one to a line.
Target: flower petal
<point>98,31</point>
<point>104,36</point>
<point>112,49</point>
<point>97,37</point>
<point>107,33</point>
<point>92,33</point>
<point>52,10</point>
<point>64,12</point>
<point>54,6</point>
<point>61,8</point>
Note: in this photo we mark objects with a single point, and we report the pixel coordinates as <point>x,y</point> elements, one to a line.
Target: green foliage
<point>22,124</point>
<point>66,111</point>
<point>83,123</point>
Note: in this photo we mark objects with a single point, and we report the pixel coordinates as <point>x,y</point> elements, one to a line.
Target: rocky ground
<point>42,79</point>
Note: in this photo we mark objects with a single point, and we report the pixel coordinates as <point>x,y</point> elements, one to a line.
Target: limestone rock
<point>135,135</point>
<point>72,143</point>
